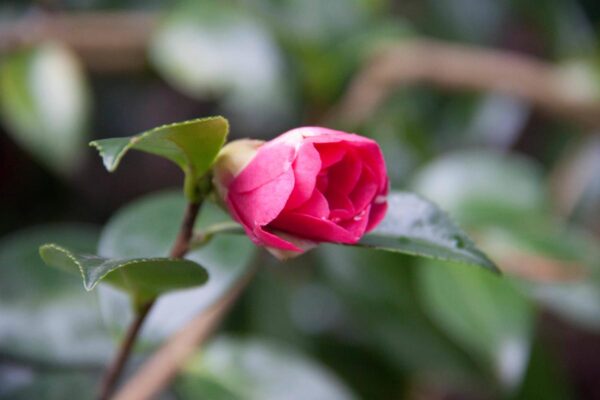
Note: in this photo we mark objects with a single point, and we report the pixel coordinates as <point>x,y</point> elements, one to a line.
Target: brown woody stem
<point>179,249</point>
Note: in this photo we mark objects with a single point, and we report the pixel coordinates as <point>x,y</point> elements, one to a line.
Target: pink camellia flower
<point>306,186</point>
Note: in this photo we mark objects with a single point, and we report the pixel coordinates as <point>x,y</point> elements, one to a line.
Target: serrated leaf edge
<point>127,262</point>
<point>136,138</point>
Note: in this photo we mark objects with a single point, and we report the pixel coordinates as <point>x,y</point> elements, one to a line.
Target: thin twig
<point>105,41</point>
<point>114,370</point>
<point>204,236</point>
<point>157,372</point>
<point>179,249</point>
<point>117,41</point>
<point>551,88</point>
<point>182,242</point>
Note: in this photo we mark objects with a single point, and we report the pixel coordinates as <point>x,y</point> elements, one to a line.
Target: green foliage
<point>143,278</point>
<point>382,296</point>
<point>192,145</point>
<point>49,385</point>
<point>46,316</point>
<point>146,228</point>
<point>473,185</point>
<point>228,369</point>
<point>197,48</point>
<point>483,312</point>
<point>53,130</point>
<point>416,226</point>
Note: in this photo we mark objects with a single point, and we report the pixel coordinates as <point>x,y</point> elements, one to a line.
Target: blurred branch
<point>459,67</point>
<point>179,250</point>
<point>537,268</point>
<point>105,41</point>
<point>117,41</point>
<point>158,372</point>
<point>19,360</point>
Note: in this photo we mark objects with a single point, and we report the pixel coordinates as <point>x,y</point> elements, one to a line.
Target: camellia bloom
<point>306,186</point>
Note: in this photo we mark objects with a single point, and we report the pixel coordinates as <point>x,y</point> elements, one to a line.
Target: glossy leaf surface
<point>192,145</point>
<point>144,278</point>
<point>44,102</point>
<point>416,226</point>
<point>252,369</point>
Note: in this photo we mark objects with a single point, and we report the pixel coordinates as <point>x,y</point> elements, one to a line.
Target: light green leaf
<point>483,185</point>
<point>44,100</point>
<point>144,278</point>
<point>487,314</point>
<point>192,145</point>
<point>146,228</point>
<point>253,369</point>
<point>377,285</point>
<point>197,50</point>
<point>49,383</point>
<point>418,227</point>
<point>67,321</point>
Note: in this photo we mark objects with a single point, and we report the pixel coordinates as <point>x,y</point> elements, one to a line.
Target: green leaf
<point>192,145</point>
<point>67,320</point>
<point>487,314</point>
<point>254,369</point>
<point>50,382</point>
<point>144,278</point>
<point>196,50</point>
<point>418,227</point>
<point>473,186</point>
<point>44,101</point>
<point>376,285</point>
<point>146,228</point>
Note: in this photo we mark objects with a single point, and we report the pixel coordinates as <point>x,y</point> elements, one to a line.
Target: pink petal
<point>271,240</point>
<point>373,157</point>
<point>340,207</point>
<point>314,134</point>
<point>306,168</point>
<point>344,175</point>
<point>376,215</point>
<point>262,205</point>
<point>357,225</point>
<point>330,153</point>
<point>322,182</point>
<point>313,228</point>
<point>316,206</point>
<point>270,161</point>
<point>365,190</point>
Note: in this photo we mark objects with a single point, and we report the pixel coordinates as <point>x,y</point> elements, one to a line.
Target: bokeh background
<point>490,108</point>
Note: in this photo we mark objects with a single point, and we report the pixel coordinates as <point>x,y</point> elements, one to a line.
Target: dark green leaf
<point>144,278</point>
<point>485,313</point>
<point>253,369</point>
<point>196,50</point>
<point>192,145</point>
<point>381,293</point>
<point>44,102</point>
<point>474,185</point>
<point>418,227</point>
<point>47,383</point>
<point>45,314</point>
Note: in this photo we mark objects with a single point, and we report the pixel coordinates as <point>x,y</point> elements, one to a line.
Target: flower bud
<point>308,185</point>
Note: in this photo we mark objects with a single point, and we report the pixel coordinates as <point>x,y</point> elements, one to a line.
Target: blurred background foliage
<point>337,323</point>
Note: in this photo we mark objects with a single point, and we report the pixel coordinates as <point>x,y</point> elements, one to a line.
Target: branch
<point>105,41</point>
<point>460,67</point>
<point>158,372</point>
<point>116,367</point>
<point>117,41</point>
<point>179,249</point>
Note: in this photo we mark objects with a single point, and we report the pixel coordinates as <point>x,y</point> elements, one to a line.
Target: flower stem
<point>114,370</point>
<point>205,235</point>
<point>179,249</point>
